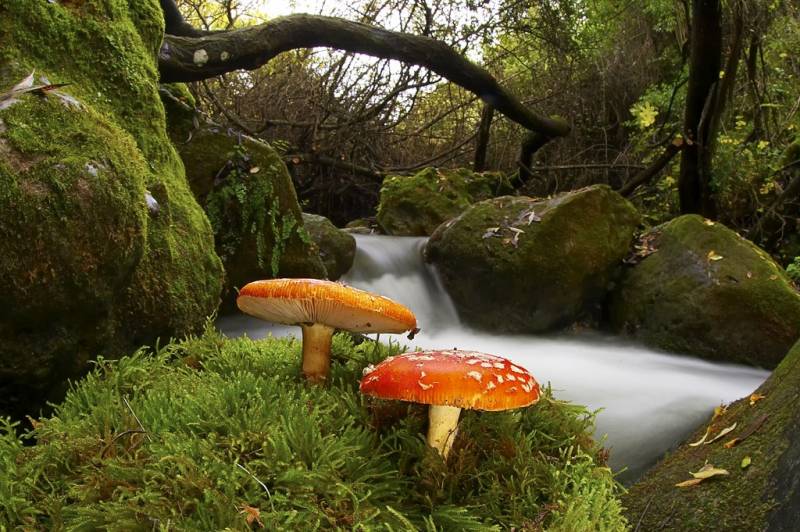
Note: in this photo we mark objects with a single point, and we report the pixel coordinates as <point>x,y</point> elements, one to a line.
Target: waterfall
<point>649,401</point>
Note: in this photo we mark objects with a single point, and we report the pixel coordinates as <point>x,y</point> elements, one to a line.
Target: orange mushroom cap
<point>463,379</point>
<point>297,301</point>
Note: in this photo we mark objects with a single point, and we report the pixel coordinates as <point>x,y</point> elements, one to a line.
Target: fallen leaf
<point>749,275</point>
<point>701,440</point>
<point>252,515</point>
<point>708,222</point>
<point>756,397</point>
<point>255,170</point>
<point>719,411</point>
<point>708,471</point>
<point>712,255</point>
<point>690,482</point>
<point>723,432</point>
<point>746,462</point>
<point>490,232</point>
<point>773,277</point>
<point>732,443</point>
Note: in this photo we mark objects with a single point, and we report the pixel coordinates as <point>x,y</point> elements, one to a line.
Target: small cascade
<point>649,400</point>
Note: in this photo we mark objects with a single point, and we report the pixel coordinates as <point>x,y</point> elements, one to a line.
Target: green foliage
<point>236,211</point>
<point>793,270</point>
<point>187,437</point>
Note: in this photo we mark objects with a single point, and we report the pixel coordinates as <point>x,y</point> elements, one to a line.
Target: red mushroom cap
<point>464,379</point>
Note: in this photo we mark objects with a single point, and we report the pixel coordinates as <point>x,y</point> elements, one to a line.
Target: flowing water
<point>649,400</point>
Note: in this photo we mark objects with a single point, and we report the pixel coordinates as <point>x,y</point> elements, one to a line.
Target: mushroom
<point>449,381</point>
<point>319,307</point>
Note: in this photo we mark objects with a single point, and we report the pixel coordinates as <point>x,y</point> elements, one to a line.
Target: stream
<point>649,401</point>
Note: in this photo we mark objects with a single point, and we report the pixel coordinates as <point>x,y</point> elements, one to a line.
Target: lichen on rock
<point>520,264</point>
<point>702,289</point>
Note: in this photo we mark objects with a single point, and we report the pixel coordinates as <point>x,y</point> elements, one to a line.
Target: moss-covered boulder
<point>416,205</point>
<point>336,247</point>
<point>212,434</point>
<point>526,265</point>
<point>248,196</point>
<point>104,246</point>
<point>702,289</point>
<point>761,455</point>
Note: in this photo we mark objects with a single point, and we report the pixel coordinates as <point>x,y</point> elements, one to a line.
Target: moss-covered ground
<point>210,433</point>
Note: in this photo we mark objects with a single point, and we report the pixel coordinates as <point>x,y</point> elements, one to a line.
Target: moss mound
<point>88,267</point>
<point>416,205</point>
<point>706,291</point>
<point>760,496</point>
<point>191,437</point>
<point>336,247</point>
<point>248,196</point>
<point>526,265</point>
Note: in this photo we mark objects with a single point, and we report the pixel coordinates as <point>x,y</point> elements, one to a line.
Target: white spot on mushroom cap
<point>499,365</point>
<point>499,378</point>
<point>477,375</point>
<point>490,386</point>
<point>369,369</point>
<point>517,369</point>
<point>486,365</point>
<point>424,386</point>
<point>511,377</point>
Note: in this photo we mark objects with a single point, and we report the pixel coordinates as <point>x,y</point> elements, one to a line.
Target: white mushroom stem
<point>442,427</point>
<point>316,351</point>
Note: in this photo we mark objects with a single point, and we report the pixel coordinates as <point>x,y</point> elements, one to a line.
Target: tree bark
<point>184,58</point>
<point>530,145</point>
<point>694,184</point>
<point>482,143</point>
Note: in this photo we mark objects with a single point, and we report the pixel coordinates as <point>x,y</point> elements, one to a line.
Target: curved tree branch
<point>186,58</point>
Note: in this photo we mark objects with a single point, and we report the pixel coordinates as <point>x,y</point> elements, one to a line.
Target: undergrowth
<point>212,433</point>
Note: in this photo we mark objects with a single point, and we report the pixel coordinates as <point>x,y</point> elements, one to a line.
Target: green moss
<point>520,264</point>
<point>78,165</point>
<point>708,292</point>
<point>416,205</point>
<point>231,423</point>
<point>746,498</point>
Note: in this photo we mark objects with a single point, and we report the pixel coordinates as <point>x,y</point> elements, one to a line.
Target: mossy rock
<point>248,196</point>
<point>708,292</point>
<point>336,247</point>
<point>88,267</point>
<point>416,205</point>
<point>525,265</point>
<point>210,432</point>
<point>760,496</point>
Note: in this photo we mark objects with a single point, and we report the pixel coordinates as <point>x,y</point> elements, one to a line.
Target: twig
<point>269,495</point>
<point>144,431</point>
<point>118,436</point>
<point>641,517</point>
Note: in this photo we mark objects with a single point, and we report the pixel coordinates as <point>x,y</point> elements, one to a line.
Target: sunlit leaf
<point>712,255</point>
<point>732,443</point>
<point>701,440</point>
<point>708,471</point>
<point>690,482</point>
<point>746,462</point>
<point>723,432</point>
<point>756,397</point>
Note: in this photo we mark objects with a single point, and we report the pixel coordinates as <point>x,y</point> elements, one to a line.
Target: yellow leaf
<point>690,482</point>
<point>732,443</point>
<point>756,397</point>
<point>712,255</point>
<point>251,515</point>
<point>708,471</point>
<point>719,411</point>
<point>708,222</point>
<point>746,462</point>
<point>255,170</point>
<point>701,440</point>
<point>722,433</point>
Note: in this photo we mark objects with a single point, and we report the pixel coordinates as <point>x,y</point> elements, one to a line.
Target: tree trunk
<point>482,143</point>
<point>694,184</point>
<point>530,145</point>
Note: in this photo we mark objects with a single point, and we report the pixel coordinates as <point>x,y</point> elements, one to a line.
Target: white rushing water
<point>650,400</point>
